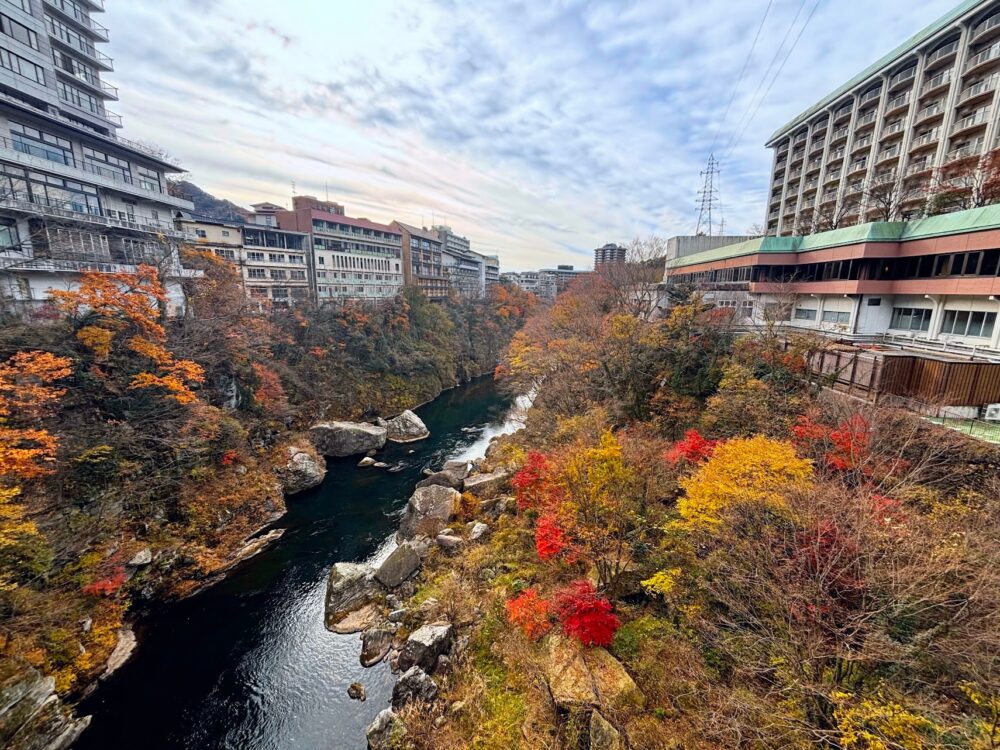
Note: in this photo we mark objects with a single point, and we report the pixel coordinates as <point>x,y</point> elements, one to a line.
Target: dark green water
<point>248,663</point>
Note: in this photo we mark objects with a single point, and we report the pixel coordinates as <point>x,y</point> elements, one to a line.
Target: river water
<point>248,664</point>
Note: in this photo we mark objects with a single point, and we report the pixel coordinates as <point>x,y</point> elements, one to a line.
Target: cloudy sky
<point>539,128</point>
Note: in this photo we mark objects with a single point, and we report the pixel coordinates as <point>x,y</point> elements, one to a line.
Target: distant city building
<point>881,145</point>
<point>352,259</point>
<point>563,276</point>
<point>75,197</point>
<point>609,254</point>
<point>464,268</point>
<point>678,247</point>
<point>422,261</point>
<point>546,283</point>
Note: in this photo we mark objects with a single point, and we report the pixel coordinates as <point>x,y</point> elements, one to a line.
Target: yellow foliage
<point>879,723</point>
<point>662,582</point>
<point>97,339</point>
<point>746,470</point>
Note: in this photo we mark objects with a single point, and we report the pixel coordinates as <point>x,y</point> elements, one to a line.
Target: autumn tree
<point>971,182</point>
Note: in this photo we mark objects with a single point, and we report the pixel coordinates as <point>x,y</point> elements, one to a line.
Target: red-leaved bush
<point>585,615</point>
<point>109,586</point>
<point>533,485</point>
<point>550,538</point>
<point>692,448</point>
<point>530,612</point>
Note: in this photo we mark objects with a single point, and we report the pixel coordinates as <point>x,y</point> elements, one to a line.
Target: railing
<point>897,102</point>
<point>800,138</point>
<point>939,80</point>
<point>827,196</point>
<point>795,175</point>
<point>85,76</point>
<point>80,45</point>
<point>918,166</point>
<point>866,119</point>
<point>987,84</point>
<point>931,136</point>
<point>783,148</point>
<point>963,152</point>
<point>838,154</point>
<point>889,153</point>
<point>870,96</point>
<point>929,111</point>
<point>941,52</point>
<point>842,111</point>
<point>838,134</point>
<point>98,110</point>
<point>817,144</point>
<point>810,184</point>
<point>906,75</point>
<point>893,128</point>
<point>834,176</point>
<point>990,53</point>
<point>976,118</point>
<point>814,164</point>
<point>81,212</point>
<point>858,165</point>
<point>861,143</point>
<point>72,10</point>
<point>796,155</point>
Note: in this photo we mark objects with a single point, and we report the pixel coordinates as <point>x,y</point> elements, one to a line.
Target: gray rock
<point>407,428</point>
<point>439,722</point>
<point>375,644</point>
<point>478,531</point>
<point>357,692</point>
<point>447,541</point>
<point>441,479</point>
<point>380,465</point>
<point>366,461</point>
<point>401,563</point>
<point>424,645</point>
<point>142,557</point>
<point>32,717</point>
<point>443,664</point>
<point>341,439</point>
<point>414,685</point>
<point>302,471</point>
<point>386,732</point>
<point>428,504</point>
<point>380,422</point>
<point>603,736</point>
<point>457,466</point>
<point>350,587</point>
<point>397,615</point>
<point>483,485</point>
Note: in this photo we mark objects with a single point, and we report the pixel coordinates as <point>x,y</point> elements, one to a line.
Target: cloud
<point>539,128</point>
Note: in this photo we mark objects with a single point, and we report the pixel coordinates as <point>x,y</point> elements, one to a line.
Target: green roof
<point>960,222</point>
<point>908,46</point>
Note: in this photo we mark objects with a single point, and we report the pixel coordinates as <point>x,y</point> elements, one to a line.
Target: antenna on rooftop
<point>708,199</point>
<point>293,187</point>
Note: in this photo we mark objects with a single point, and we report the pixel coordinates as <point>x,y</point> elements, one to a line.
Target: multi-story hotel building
<point>464,268</point>
<point>422,261</point>
<point>492,270</point>
<point>352,259</point>
<point>609,254</point>
<point>883,144</point>
<point>74,195</point>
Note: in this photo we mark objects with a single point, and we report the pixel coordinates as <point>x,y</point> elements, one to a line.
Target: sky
<point>540,129</point>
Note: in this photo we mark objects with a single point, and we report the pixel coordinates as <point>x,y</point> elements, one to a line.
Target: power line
<point>708,198</point>
<point>777,54</point>
<point>739,79</point>
<point>777,74</point>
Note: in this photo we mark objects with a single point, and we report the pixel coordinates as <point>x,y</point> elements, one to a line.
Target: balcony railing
<point>962,152</point>
<point>929,111</point>
<point>990,23</point>
<point>817,145</point>
<point>86,106</point>
<point>833,176</point>
<point>72,210</point>
<point>78,44</point>
<point>889,153</point>
<point>987,84</point>
<point>896,102</point>
<point>937,81</point>
<point>858,165</point>
<point>893,128</point>
<point>811,184</point>
<point>837,154</point>
<point>866,119</point>
<point>906,75</point>
<point>919,166</point>
<point>931,136</point>
<point>990,53</point>
<point>861,143</point>
<point>796,155</point>
<point>73,11</point>
<point>86,77</point>
<point>838,134</point>
<point>800,138</point>
<point>795,175</point>
<point>814,164</point>
<point>976,118</point>
<point>941,52</point>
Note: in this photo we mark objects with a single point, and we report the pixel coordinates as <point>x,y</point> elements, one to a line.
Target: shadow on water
<point>248,663</point>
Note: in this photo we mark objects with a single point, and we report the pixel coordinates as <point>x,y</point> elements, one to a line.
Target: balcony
<point>977,118</point>
<point>814,165</point>
<point>931,110</point>
<point>783,148</point>
<point>926,139</point>
<point>833,176</point>
<point>97,110</point>
<point>866,119</point>
<point>77,212</point>
<point>897,103</point>
<point>810,185</point>
<point>800,138</point>
<point>937,82</point>
<point>797,156</point>
<point>986,86</point>
<point>817,145</point>
<point>837,155</point>
<point>93,82</point>
<point>889,153</point>
<point>894,128</point>
<point>778,182</point>
<point>78,45</point>
<point>828,196</point>
<point>858,165</point>
<point>838,134</point>
<point>982,29</point>
<point>843,112</point>
<point>919,165</point>
<point>987,56</point>
<point>74,13</point>
<point>906,76</point>
<point>795,175</point>
<point>869,96</point>
<point>963,152</point>
<point>862,143</point>
<point>941,53</point>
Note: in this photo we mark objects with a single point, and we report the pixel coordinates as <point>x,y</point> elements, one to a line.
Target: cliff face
<point>32,717</point>
<point>205,203</point>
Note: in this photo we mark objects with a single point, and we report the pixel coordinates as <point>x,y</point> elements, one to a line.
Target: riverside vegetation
<point>702,547</point>
<point>139,453</point>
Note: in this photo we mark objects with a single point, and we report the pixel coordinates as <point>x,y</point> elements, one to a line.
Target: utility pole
<point>708,199</point>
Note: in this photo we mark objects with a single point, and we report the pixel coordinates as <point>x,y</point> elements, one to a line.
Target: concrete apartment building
<point>609,254</point>
<point>423,265</point>
<point>492,270</point>
<point>464,267</point>
<point>540,283</point>
<point>74,195</point>
<point>352,259</point>
<point>273,263</point>
<point>879,146</point>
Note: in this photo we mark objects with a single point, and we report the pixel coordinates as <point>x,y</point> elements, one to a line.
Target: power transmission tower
<point>708,199</point>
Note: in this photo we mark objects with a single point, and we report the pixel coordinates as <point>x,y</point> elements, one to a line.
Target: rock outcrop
<point>375,644</point>
<point>583,678</point>
<point>603,736</point>
<point>386,732</point>
<point>425,645</point>
<point>407,428</point>
<point>401,563</point>
<point>303,469</point>
<point>32,717</point>
<point>414,685</point>
<point>484,485</point>
<point>351,586</point>
<point>427,506</point>
<point>339,439</point>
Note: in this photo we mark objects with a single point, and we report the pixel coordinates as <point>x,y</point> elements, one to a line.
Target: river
<point>248,664</point>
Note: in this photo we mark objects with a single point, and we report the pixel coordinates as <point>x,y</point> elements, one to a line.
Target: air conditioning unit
<point>992,413</point>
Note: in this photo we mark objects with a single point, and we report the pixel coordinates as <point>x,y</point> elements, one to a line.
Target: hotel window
<point>965,323</point>
<point>149,179</point>
<point>298,275</point>
<point>22,4</point>
<point>18,31</point>
<point>227,254</point>
<point>802,313</point>
<point>8,233</point>
<point>278,274</point>
<point>201,233</point>
<point>256,273</point>
<point>275,258</point>
<point>279,292</point>
<point>225,232</point>
<point>37,142</point>
<point>836,316</point>
<point>910,319</point>
<point>81,99</point>
<point>108,165</point>
<point>258,292</point>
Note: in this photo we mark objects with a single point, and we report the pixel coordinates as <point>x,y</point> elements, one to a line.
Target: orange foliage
<point>270,394</point>
<point>530,612</point>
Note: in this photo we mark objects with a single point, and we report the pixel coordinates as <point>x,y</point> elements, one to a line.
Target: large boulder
<point>375,644</point>
<point>31,714</point>
<point>386,732</point>
<point>603,736</point>
<point>484,485</point>
<point>407,428</point>
<point>303,469</point>
<point>451,475</point>
<point>401,563</point>
<point>425,645</point>
<point>567,675</point>
<point>351,586</point>
<point>428,504</point>
<point>341,439</point>
<point>414,685</point>
<point>615,687</point>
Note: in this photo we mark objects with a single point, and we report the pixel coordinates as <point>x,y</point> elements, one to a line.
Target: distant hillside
<point>205,204</point>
